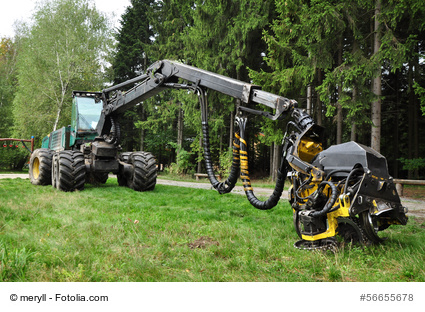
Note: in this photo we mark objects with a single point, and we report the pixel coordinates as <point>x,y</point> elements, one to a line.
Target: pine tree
<point>130,60</point>
<point>133,39</point>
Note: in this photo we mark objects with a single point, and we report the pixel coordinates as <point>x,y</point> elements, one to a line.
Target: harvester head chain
<point>325,244</point>
<point>350,230</point>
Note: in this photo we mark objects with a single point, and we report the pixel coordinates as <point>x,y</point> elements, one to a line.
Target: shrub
<point>12,157</point>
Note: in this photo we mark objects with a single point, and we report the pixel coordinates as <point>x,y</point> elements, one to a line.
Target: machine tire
<point>143,177</point>
<point>69,171</point>
<point>40,167</point>
<point>122,180</point>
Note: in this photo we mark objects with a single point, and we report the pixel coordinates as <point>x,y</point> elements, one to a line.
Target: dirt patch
<point>203,242</point>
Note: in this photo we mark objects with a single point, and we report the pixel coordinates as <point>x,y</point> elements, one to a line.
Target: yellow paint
<point>332,223</point>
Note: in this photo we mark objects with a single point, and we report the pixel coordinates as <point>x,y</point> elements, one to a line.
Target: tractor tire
<point>143,177</point>
<point>69,171</point>
<point>122,180</point>
<point>40,167</point>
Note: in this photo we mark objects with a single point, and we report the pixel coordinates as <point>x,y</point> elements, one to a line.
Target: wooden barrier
<point>400,182</point>
<point>204,175</point>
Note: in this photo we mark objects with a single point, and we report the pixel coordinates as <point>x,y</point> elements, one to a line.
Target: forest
<point>356,66</point>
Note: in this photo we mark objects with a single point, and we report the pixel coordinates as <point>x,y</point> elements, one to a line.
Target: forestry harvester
<point>343,191</point>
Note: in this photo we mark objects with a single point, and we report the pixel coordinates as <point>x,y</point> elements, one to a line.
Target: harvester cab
<point>86,110</point>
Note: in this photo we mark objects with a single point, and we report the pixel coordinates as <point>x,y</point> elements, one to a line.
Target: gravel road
<point>415,207</point>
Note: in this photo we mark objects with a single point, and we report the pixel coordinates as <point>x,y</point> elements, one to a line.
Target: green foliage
<point>12,157</point>
<point>328,46</point>
<point>129,59</point>
<point>133,39</point>
<point>226,159</point>
<point>412,164</point>
<point>184,163</point>
<point>60,51</point>
<point>170,20</point>
<point>420,92</point>
<point>7,85</point>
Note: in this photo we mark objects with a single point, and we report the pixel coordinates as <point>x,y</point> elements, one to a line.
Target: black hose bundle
<point>331,201</point>
<point>280,181</point>
<point>239,163</point>
<point>115,134</point>
<point>228,185</point>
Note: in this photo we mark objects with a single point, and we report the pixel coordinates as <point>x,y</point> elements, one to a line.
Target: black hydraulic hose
<point>115,133</point>
<point>235,169</point>
<point>349,177</point>
<point>229,184</point>
<point>330,174</point>
<point>207,156</point>
<point>301,186</point>
<point>331,201</point>
<point>280,181</point>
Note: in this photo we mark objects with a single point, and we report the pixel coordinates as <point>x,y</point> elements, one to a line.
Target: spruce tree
<point>130,60</point>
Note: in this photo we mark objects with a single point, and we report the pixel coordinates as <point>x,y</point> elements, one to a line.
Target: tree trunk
<point>396,149</point>
<point>275,163</point>
<point>353,120</point>
<point>180,127</point>
<point>376,85</point>
<point>416,113</point>
<point>199,154</point>
<point>142,131</point>
<point>413,112</point>
<point>319,118</point>
<point>271,161</point>
<point>338,104</point>
<point>232,124</point>
<point>309,100</point>
<point>57,118</point>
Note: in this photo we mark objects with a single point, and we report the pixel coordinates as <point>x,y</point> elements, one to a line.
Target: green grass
<point>110,233</point>
<point>8,171</point>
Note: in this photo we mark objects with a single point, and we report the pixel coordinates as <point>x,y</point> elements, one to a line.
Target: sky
<point>17,10</point>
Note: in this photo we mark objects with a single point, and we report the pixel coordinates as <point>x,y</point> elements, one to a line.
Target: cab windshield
<point>88,113</point>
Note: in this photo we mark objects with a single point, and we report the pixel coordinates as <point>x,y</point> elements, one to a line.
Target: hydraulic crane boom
<point>167,74</point>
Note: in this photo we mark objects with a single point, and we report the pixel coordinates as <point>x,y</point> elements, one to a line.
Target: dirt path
<point>415,207</point>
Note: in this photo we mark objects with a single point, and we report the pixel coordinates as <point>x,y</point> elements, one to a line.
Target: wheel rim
<point>36,168</point>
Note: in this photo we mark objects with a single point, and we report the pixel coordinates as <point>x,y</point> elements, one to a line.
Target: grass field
<point>110,233</point>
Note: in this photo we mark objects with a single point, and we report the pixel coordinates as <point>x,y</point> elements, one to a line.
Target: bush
<point>12,158</point>
<point>226,159</point>
<point>183,164</point>
<point>413,164</point>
